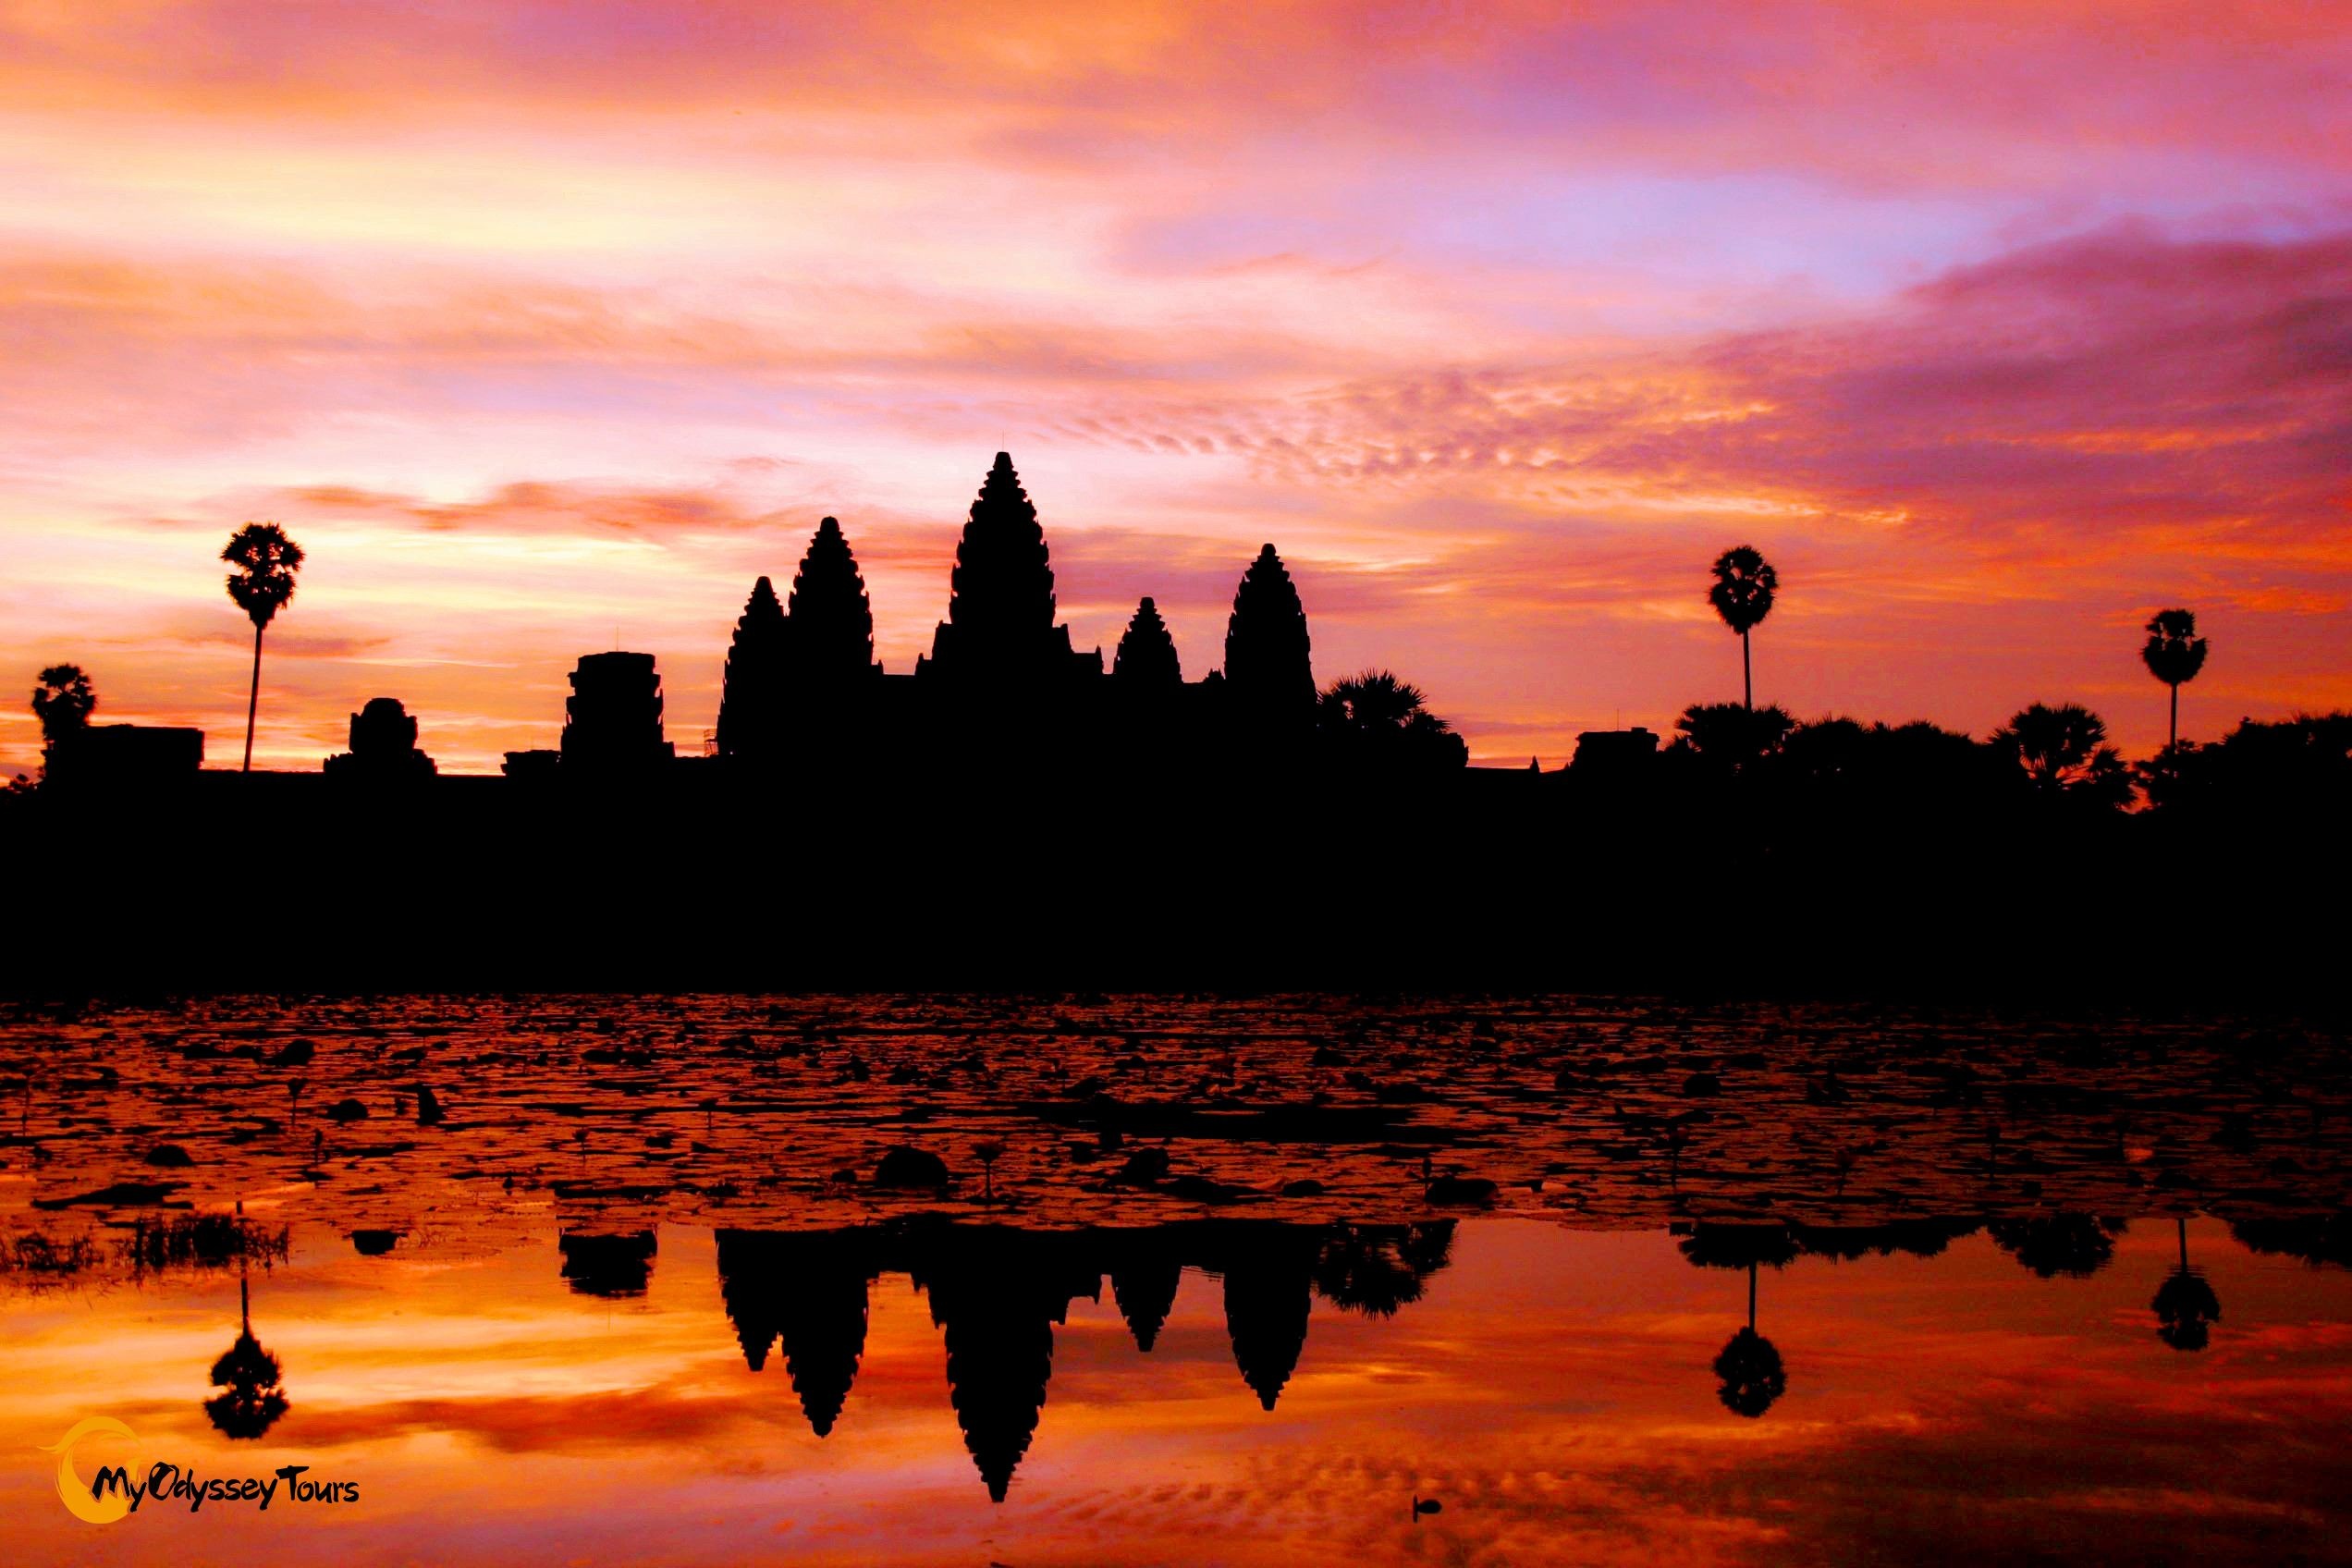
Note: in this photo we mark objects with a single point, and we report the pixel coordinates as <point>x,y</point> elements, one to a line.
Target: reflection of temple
<point>998,1298</point>
<point>806,1293</point>
<point>608,1266</point>
<point>997,1295</point>
<point>1143,1284</point>
<point>1268,1287</point>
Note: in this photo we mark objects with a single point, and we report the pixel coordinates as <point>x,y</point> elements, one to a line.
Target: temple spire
<point>1003,585</point>
<point>753,706</point>
<point>1001,628</point>
<point>1267,666</point>
<point>832,617</point>
<point>1147,654</point>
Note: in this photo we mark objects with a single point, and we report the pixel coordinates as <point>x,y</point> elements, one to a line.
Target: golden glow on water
<point>1553,1390</point>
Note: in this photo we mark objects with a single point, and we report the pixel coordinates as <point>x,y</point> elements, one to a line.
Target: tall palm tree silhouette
<point>267,561</point>
<point>2186,1306</point>
<point>1744,583</point>
<point>2174,653</point>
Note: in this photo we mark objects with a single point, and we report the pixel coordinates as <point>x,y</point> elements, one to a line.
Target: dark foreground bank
<point>987,879</point>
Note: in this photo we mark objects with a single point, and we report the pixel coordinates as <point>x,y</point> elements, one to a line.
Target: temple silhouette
<point>1002,685</point>
<point>1016,811</point>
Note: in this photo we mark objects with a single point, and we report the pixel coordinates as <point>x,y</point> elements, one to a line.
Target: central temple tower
<point>1001,628</point>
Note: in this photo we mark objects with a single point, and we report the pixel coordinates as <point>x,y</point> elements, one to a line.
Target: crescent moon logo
<point>71,1489</point>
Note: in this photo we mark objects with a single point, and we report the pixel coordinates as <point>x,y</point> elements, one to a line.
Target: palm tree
<point>1378,717</point>
<point>1374,700</point>
<point>267,561</point>
<point>1731,737</point>
<point>63,702</point>
<point>2174,653</point>
<point>1744,583</point>
<point>2063,752</point>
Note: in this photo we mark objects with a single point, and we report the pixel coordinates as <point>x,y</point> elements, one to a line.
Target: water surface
<point>2022,1289</point>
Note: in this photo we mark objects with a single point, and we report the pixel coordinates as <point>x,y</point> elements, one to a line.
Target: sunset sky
<point>548,327</point>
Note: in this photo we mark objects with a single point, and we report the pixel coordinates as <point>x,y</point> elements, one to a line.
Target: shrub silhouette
<point>2061,753</point>
<point>2283,776</point>
<point>1729,738</point>
<point>2076,1246</point>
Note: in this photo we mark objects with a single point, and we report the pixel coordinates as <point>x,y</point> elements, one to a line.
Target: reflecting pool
<point>708,1281</point>
<point>1214,1394</point>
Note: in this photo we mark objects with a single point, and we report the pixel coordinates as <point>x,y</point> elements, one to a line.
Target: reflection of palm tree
<point>1428,1246</point>
<point>1744,583</point>
<point>267,561</point>
<point>1748,1372</point>
<point>2186,1306</point>
<point>2174,653</point>
<point>251,1399</point>
<point>1376,1270</point>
